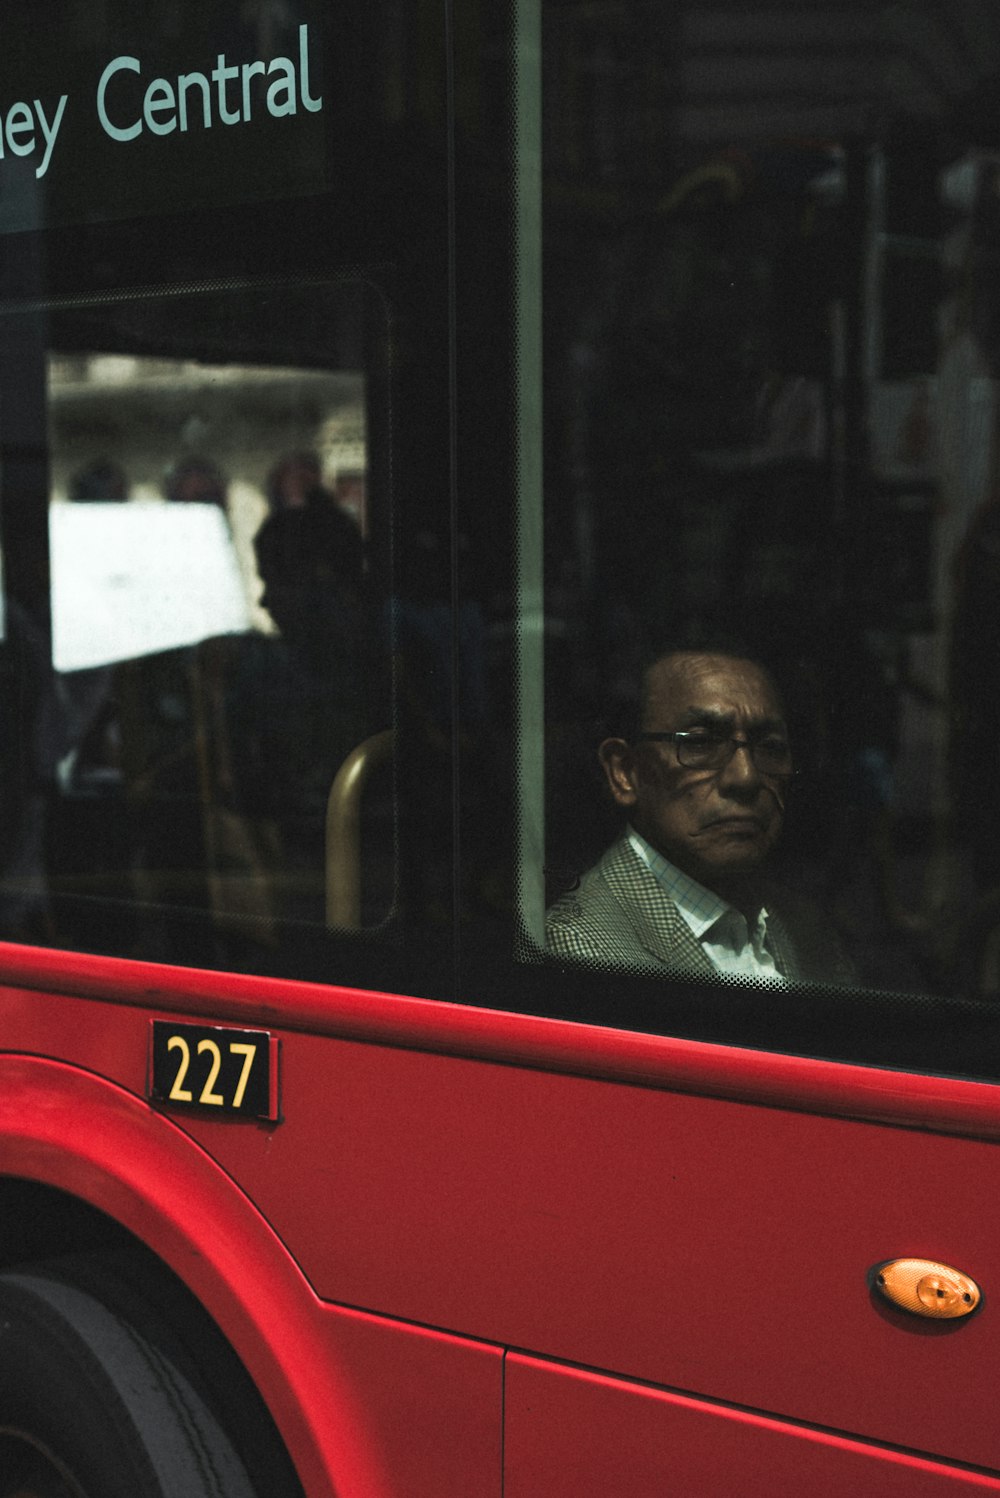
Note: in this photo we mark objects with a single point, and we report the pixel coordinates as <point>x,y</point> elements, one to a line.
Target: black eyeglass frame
<point>681,736</point>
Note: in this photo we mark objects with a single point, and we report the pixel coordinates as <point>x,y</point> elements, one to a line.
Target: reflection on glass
<point>770,418</point>
<point>216,639</point>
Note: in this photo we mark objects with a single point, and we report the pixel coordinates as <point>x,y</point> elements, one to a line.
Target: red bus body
<point>573,324</point>
<point>534,1257</point>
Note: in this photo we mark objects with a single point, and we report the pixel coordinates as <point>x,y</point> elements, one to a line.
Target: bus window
<point>226,491</point>
<point>220,643</point>
<point>755,529</point>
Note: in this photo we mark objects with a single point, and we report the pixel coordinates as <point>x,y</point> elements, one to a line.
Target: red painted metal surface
<point>366,1408</point>
<point>692,1242</point>
<point>604,1203</point>
<point>571,1434</point>
<point>697,1243</point>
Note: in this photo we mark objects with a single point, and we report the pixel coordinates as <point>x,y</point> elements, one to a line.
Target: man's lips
<point>734,823</point>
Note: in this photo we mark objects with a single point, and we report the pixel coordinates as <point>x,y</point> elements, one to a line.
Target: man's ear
<point>616,760</point>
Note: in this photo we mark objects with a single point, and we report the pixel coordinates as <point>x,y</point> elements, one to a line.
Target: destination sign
<point>130,98</point>
<point>172,107</point>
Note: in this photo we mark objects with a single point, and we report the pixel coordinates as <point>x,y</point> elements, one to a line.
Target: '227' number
<point>181,1094</point>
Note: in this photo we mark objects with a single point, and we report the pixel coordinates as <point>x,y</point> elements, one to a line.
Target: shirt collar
<point>698,905</point>
<point>701,908</point>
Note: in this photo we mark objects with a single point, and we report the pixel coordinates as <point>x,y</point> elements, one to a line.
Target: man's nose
<point>739,773</point>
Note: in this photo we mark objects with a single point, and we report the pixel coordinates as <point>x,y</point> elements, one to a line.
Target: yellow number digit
<point>179,1093</point>
<point>207,1095</point>
<point>249,1053</point>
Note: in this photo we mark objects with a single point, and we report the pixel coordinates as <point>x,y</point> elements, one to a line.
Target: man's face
<point>714,824</point>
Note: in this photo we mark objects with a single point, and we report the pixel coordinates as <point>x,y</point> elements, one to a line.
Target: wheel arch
<point>86,1164</point>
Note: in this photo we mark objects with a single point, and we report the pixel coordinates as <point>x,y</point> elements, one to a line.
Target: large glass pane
<point>219,628</point>
<point>770,398</point>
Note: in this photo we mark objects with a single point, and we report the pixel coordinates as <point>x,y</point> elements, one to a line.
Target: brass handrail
<point>343,830</point>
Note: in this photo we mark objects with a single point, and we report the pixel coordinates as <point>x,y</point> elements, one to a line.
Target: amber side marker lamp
<point>926,1288</point>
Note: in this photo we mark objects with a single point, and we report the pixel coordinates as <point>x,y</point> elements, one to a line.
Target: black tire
<point>91,1408</point>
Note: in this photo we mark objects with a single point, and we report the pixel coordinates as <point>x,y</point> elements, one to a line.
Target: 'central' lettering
<point>225,95</point>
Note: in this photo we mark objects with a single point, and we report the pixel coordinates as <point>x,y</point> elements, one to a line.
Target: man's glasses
<point>698,749</point>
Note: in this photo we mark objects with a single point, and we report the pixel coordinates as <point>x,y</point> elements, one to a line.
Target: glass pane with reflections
<point>770,507</point>
<point>218,648</point>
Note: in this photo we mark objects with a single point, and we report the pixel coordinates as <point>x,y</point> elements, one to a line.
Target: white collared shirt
<point>726,938</point>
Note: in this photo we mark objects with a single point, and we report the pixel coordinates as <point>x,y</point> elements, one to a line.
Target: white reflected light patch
<point>136,578</point>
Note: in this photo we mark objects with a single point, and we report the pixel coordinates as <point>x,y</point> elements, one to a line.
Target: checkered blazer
<point>621,916</point>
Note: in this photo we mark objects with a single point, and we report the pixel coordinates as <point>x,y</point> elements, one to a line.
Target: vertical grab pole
<point>343,830</point>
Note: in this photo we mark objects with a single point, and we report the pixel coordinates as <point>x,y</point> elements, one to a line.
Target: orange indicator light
<point>927,1288</point>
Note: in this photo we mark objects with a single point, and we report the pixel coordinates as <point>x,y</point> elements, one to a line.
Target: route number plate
<point>214,1068</point>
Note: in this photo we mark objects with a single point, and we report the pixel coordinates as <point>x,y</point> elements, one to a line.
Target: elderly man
<point>702,783</point>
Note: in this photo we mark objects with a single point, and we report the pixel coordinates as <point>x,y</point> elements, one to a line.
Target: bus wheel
<point>89,1408</point>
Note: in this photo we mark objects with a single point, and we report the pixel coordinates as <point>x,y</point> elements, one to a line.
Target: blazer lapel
<point>653,918</point>
<point>782,947</point>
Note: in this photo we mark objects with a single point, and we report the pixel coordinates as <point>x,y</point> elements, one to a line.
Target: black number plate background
<point>213,1068</point>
